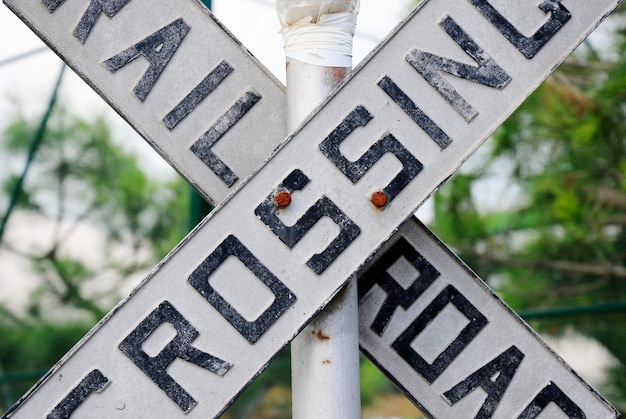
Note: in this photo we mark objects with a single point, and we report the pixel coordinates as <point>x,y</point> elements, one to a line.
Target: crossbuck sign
<point>250,276</point>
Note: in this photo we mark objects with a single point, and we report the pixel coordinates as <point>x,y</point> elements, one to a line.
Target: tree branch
<point>602,270</point>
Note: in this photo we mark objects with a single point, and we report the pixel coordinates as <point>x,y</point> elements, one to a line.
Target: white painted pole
<point>325,356</point>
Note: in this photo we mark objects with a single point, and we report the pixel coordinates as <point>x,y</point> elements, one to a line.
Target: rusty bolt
<point>379,199</point>
<point>283,199</point>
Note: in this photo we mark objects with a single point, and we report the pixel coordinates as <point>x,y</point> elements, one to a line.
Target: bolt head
<point>283,199</point>
<point>379,199</point>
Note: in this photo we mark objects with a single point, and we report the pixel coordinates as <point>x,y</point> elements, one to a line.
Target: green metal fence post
<point>5,389</point>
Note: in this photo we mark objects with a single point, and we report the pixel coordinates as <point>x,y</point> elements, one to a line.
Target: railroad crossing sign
<point>440,333</point>
<point>375,134</point>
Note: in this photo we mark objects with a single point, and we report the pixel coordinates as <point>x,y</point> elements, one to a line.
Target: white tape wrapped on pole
<point>319,32</point>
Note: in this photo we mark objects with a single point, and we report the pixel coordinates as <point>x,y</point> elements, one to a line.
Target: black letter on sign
<point>284,298</point>
<point>552,393</point>
<point>411,109</point>
<point>402,344</point>
<point>396,295</point>
<point>95,381</point>
<point>93,12</point>
<point>197,95</point>
<point>494,378</point>
<point>179,347</point>
<point>388,144</point>
<point>324,207</point>
<point>430,67</point>
<point>158,49</point>
<point>52,5</point>
<point>559,15</point>
<point>202,147</point>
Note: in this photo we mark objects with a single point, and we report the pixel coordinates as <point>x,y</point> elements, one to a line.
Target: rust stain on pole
<point>321,335</point>
<point>339,73</point>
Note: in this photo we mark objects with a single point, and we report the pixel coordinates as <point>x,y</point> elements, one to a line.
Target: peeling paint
<point>528,46</point>
<point>158,49</point>
<point>95,381</point>
<point>202,147</point>
<point>417,115</point>
<point>430,66</point>
<point>179,347</point>
<point>198,94</point>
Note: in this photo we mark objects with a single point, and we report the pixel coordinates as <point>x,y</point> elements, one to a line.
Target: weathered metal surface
<point>274,268</point>
<point>176,75</point>
<point>325,358</point>
<point>455,348</point>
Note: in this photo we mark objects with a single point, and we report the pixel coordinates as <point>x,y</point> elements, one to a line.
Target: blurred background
<point>88,208</point>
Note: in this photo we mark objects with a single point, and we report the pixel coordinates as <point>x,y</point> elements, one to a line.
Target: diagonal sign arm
<point>233,336</point>
<point>176,75</point>
<point>439,333</point>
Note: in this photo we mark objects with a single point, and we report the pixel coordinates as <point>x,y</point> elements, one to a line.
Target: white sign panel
<point>213,314</point>
<point>453,346</point>
<point>176,75</point>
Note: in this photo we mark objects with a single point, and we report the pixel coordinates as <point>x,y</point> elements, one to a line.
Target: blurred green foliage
<point>79,179</point>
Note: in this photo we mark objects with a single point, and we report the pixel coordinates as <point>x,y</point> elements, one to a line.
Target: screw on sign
<point>411,122</point>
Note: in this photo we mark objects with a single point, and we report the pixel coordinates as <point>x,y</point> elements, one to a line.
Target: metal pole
<point>325,356</point>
